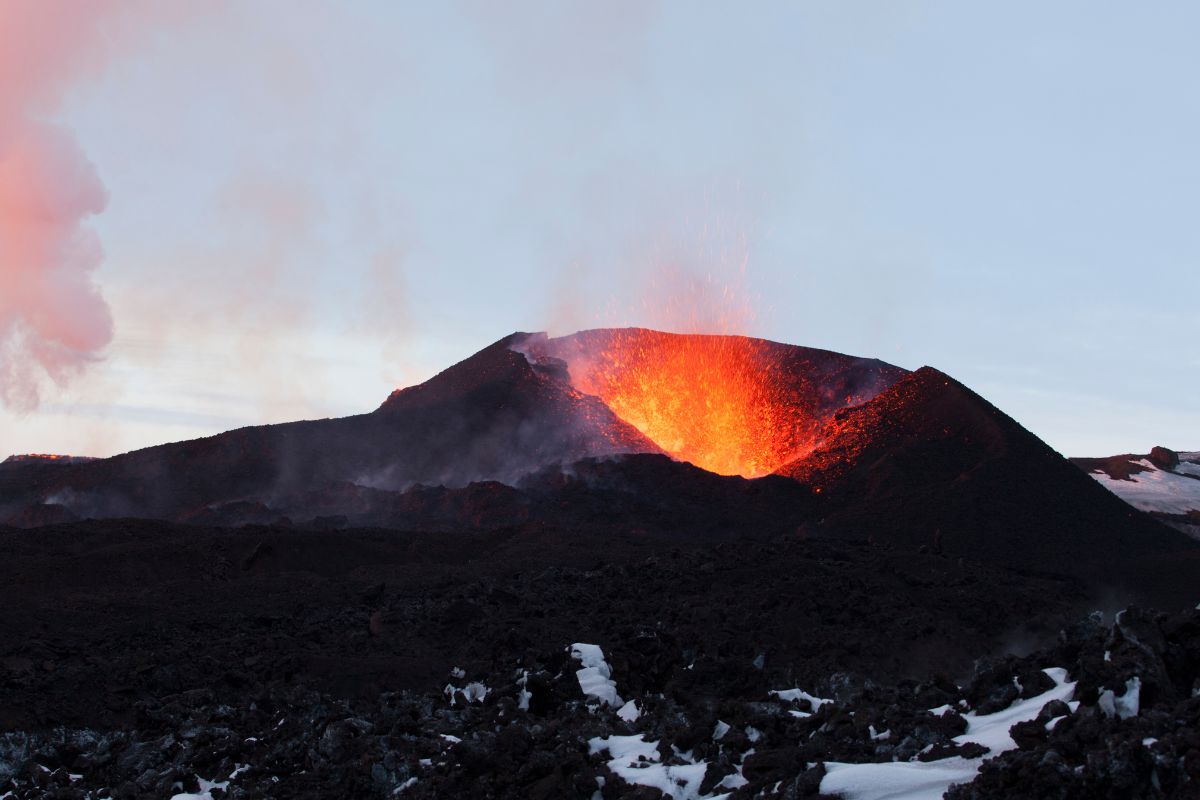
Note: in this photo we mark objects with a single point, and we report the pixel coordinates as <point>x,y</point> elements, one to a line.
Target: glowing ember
<point>716,401</point>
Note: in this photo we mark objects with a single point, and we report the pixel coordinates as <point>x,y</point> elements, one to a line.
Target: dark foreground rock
<point>529,731</point>
<point>148,660</point>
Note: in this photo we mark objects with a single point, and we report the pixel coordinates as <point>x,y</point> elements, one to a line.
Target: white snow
<point>458,673</point>
<point>595,677</point>
<point>472,692</point>
<point>1155,489</point>
<point>719,730</point>
<point>408,784</point>
<point>1149,741</point>
<point>897,780</point>
<point>206,787</point>
<point>733,780</point>
<point>450,739</point>
<point>800,694</point>
<point>630,711</point>
<point>915,780</point>
<point>205,792</point>
<point>636,761</point>
<point>525,695</point>
<point>937,712</point>
<point>475,692</point>
<point>1125,706</point>
<point>1187,468</point>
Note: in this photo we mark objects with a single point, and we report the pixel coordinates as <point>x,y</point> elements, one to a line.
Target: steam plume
<point>53,320</point>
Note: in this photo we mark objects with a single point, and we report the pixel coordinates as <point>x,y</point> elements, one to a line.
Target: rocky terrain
<point>151,661</point>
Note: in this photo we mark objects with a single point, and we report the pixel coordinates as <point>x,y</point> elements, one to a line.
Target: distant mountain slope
<point>1165,483</point>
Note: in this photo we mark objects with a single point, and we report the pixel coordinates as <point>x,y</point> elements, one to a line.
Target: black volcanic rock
<point>1164,458</point>
<point>930,464</point>
<point>144,657</point>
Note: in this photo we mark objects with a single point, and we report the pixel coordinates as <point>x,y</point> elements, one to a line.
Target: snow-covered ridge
<point>1175,491</point>
<point>1164,482</point>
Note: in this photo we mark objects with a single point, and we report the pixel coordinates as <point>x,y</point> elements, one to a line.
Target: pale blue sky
<point>311,203</point>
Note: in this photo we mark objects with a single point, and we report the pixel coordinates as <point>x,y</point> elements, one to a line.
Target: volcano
<point>510,410</point>
<point>791,567</point>
<point>690,434</point>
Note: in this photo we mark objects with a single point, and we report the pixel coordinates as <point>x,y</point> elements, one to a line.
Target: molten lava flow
<point>716,401</point>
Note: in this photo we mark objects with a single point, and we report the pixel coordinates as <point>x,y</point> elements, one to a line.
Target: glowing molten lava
<point>716,401</point>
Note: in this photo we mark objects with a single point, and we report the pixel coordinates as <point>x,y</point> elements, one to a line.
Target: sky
<point>221,214</point>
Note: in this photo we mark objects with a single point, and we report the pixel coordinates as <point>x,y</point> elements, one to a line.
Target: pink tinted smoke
<point>53,320</point>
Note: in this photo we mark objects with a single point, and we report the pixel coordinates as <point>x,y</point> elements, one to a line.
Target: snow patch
<point>1125,706</point>
<point>595,676</point>
<point>524,696</point>
<point>636,761</point>
<point>472,692</point>
<point>1185,468</point>
<point>1155,489</point>
<point>916,780</point>
<point>205,792</point>
<point>630,711</point>
<point>799,694</point>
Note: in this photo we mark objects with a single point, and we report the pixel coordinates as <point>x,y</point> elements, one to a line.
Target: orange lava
<point>715,401</point>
